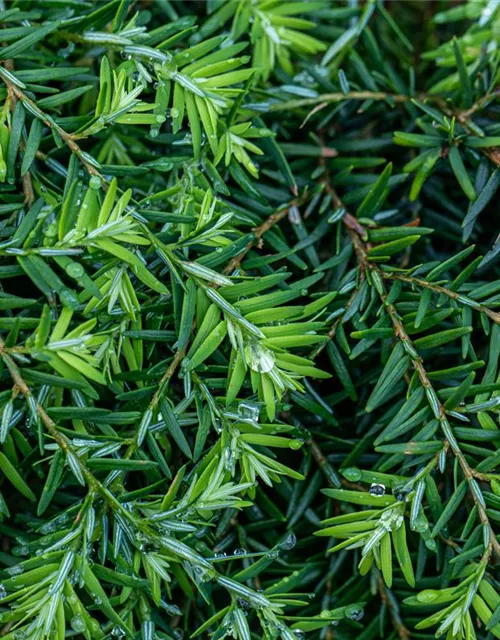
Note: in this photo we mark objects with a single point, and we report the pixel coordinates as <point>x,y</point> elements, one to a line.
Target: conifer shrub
<point>250,324</point>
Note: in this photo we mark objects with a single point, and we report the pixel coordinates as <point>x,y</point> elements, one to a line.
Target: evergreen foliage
<point>250,324</point>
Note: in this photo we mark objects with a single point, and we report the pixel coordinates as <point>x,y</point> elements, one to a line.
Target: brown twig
<point>329,472</point>
<point>463,117</point>
<point>334,97</point>
<point>357,235</point>
<point>493,315</point>
<point>259,231</point>
<point>389,601</point>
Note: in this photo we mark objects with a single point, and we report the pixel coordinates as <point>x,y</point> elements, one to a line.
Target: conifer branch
<point>361,249</point>
<point>439,289</point>
<point>67,138</point>
<point>238,310</point>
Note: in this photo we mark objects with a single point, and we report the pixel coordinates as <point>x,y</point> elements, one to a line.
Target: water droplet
<point>353,474</point>
<point>48,527</point>
<point>243,603</point>
<point>75,270</point>
<point>259,358</point>
<point>117,632</point>
<point>299,634</point>
<point>295,444</point>
<point>401,493</point>
<point>397,522</point>
<point>249,410</point>
<point>16,570</point>
<point>64,53</point>
<point>421,524</point>
<point>229,460</point>
<point>95,627</point>
<point>430,543</point>
<point>68,298</point>
<point>51,231</point>
<point>239,552</point>
<point>3,592</point>
<point>289,542</point>
<point>272,554</point>
<point>294,215</point>
<point>429,595</point>
<point>95,182</point>
<point>78,623</point>
<point>377,490</point>
<point>174,610</point>
<point>354,613</point>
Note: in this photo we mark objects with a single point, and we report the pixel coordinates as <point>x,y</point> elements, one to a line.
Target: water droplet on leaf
<point>377,490</point>
<point>259,358</point>
<point>353,474</point>
<point>78,623</point>
<point>429,595</point>
<point>16,570</point>
<point>249,410</point>
<point>95,182</point>
<point>75,270</point>
<point>289,542</point>
<point>354,613</point>
<point>401,493</point>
